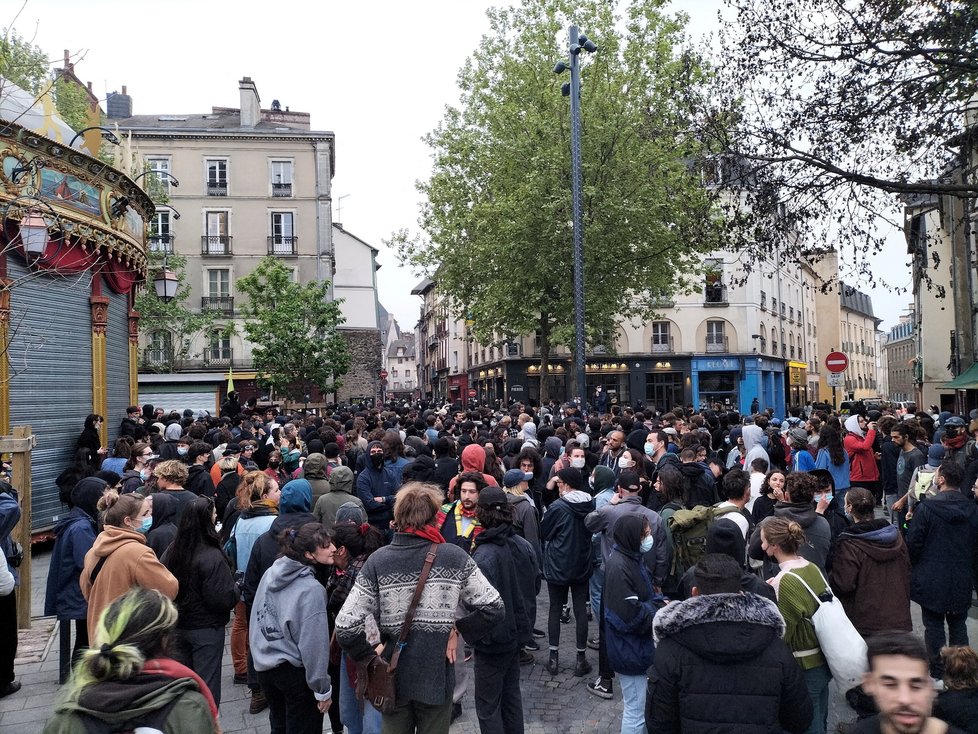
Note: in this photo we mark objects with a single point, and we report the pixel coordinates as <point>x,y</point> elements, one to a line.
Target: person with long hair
<point>354,543</point>
<point>91,439</point>
<point>120,455</point>
<point>833,457</point>
<point>79,468</point>
<point>126,680</point>
<point>780,539</point>
<point>772,492</point>
<point>120,559</point>
<point>207,592</point>
<point>289,633</point>
<point>137,469</point>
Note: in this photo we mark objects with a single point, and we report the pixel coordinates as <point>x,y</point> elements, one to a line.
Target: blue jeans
<point>356,722</point>
<point>596,583</point>
<point>935,639</point>
<point>817,683</point>
<point>633,689</point>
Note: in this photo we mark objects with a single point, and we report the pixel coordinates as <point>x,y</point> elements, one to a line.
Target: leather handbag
<point>375,680</point>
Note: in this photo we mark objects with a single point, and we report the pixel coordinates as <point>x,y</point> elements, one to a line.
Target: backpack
<point>923,487</point>
<point>151,721</point>
<point>689,529</point>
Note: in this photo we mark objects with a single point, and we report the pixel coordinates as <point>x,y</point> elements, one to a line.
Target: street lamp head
<point>565,89</point>
<point>560,67</point>
<point>589,46</point>
<point>575,49</point>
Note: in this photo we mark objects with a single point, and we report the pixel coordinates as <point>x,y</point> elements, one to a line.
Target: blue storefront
<point>734,381</point>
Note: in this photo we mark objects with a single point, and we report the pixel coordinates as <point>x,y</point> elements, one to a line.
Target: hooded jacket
<point>659,559</point>
<point>530,435</point>
<point>505,559</point>
<point>566,540</point>
<point>860,447</point>
<point>265,550</point>
<point>144,698</point>
<point>128,562</point>
<point>314,472</point>
<point>871,576</point>
<point>209,591</point>
<point>74,536</point>
<point>551,452</point>
<point>289,624</point>
<point>753,446</point>
<point>199,481</point>
<point>164,528</point>
<point>372,483</point>
<point>627,600</point>
<point>340,492</point>
<point>714,654</point>
<point>474,459</point>
<point>702,485</point>
<point>526,523</point>
<point>818,533</point>
<point>249,526</point>
<point>943,544</point>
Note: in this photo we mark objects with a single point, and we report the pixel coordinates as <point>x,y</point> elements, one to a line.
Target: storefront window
<point>664,390</point>
<point>718,387</point>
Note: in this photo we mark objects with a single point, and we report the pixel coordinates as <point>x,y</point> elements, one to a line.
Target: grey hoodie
<point>530,434</point>
<point>753,446</point>
<point>289,624</point>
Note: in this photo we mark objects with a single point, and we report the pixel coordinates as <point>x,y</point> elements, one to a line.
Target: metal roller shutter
<point>179,399</point>
<point>50,357</point>
<point>116,362</point>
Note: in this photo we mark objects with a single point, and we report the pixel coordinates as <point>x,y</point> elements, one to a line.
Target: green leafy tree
<point>497,212</point>
<point>182,323</point>
<point>838,112</point>
<point>293,329</point>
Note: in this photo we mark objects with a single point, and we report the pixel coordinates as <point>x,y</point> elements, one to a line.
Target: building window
<point>217,177</point>
<point>281,178</point>
<point>394,373</point>
<point>407,373</point>
<point>160,350</point>
<point>661,337</point>
<point>216,241</point>
<point>715,290</point>
<point>159,166</point>
<point>218,296</point>
<point>763,301</point>
<point>219,347</point>
<point>716,340</point>
<point>160,239</point>
<point>283,240</point>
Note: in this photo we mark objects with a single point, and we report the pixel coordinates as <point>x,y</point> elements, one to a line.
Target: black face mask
<point>377,460</point>
<point>274,464</point>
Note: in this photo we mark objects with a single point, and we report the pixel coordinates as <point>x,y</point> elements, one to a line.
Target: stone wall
<point>363,379</point>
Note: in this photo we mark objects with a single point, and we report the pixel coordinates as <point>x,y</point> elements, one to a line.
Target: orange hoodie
<point>473,459</point>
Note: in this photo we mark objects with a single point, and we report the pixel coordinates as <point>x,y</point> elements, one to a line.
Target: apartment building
<point>253,182</point>
<point>901,359</point>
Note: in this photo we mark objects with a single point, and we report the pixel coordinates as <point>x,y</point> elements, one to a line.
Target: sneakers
<point>601,688</point>
<point>456,710</point>
<point>565,615</point>
<point>12,687</point>
<point>532,646</point>
<point>525,658</point>
<point>594,643</point>
<point>258,702</point>
<point>539,634</point>
<point>240,678</point>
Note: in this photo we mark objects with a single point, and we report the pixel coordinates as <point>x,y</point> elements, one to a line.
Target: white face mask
<point>624,462</point>
<point>577,463</point>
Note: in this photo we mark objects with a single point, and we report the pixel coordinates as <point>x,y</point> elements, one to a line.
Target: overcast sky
<point>378,73</point>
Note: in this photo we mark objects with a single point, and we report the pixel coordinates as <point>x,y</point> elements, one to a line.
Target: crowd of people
<point>690,550</point>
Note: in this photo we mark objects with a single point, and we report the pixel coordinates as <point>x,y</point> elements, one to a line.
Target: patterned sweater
<point>383,590</point>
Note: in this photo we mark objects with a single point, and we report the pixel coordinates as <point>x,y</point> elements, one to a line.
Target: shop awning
<point>967,380</point>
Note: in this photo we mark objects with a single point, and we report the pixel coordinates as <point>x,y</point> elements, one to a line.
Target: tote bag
<point>843,647</point>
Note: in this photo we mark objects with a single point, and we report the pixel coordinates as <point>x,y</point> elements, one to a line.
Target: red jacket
<point>862,460</point>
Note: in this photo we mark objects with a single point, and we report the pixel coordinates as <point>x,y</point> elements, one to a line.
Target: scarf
<point>457,513</point>
<point>428,532</point>
<point>955,443</point>
<point>172,669</point>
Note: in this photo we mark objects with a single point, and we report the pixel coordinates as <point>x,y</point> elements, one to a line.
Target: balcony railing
<point>161,243</point>
<point>224,304</point>
<point>216,244</point>
<point>282,189</point>
<point>432,342</point>
<point>283,246</point>
<point>715,294</point>
<point>218,357</point>
<point>663,346</point>
<point>158,357</point>
<point>217,188</point>
<point>717,344</point>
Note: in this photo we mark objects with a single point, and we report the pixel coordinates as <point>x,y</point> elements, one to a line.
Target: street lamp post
<point>578,41</point>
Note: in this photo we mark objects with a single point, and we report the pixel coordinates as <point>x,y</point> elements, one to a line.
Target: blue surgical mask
<point>649,449</point>
<point>646,544</point>
<point>827,495</point>
<point>146,525</point>
<point>143,474</point>
<point>183,450</point>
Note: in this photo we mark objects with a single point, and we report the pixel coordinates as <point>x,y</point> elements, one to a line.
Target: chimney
<point>68,65</point>
<point>118,106</point>
<point>250,103</point>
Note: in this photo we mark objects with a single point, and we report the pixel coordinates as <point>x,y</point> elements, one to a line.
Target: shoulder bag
<point>375,679</point>
<point>842,645</point>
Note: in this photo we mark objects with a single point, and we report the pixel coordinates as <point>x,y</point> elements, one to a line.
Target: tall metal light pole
<point>578,41</point>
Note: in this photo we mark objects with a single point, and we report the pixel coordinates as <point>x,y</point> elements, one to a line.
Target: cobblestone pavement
<point>557,704</point>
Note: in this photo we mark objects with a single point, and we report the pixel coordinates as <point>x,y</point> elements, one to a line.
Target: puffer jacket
<point>566,540</point>
<point>716,652</point>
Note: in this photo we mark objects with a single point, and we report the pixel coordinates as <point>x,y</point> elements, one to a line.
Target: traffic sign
<point>836,362</point>
<point>835,379</point>
<point>472,392</point>
<point>383,374</point>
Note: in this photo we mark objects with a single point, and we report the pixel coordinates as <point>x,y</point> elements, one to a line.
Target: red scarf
<point>957,442</point>
<point>428,532</point>
<point>173,669</point>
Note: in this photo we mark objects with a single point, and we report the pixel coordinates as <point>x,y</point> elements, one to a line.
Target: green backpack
<point>689,529</point>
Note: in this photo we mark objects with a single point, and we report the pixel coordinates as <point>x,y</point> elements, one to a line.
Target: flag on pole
<point>230,380</point>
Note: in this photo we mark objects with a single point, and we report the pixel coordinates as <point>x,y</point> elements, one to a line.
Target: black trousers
<point>558,597</point>
<point>498,701</point>
<point>8,635</point>
<point>292,708</point>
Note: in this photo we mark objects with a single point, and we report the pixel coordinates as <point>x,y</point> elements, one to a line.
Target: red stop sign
<point>383,374</point>
<point>472,392</point>
<point>836,362</point>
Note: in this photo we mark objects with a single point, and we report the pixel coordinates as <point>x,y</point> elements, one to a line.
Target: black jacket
<point>208,593</point>
<point>721,665</point>
<point>702,485</point>
<point>164,528</point>
<point>943,544</point>
<point>265,551</point>
<point>566,540</point>
<point>199,481</point>
<point>504,559</point>
<point>958,708</point>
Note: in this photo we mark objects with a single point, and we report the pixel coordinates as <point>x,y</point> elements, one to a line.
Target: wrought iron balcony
<point>224,304</point>
<point>283,246</point>
<point>663,347</point>
<point>282,189</point>
<point>218,245</point>
<point>715,295</point>
<point>217,188</point>
<point>161,243</point>
<point>717,344</point>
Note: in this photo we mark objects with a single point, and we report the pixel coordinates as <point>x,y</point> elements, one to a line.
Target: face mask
<point>624,463</point>
<point>146,525</point>
<point>527,476</point>
<point>827,496</point>
<point>183,450</point>
<point>377,460</point>
<point>577,463</point>
<point>646,545</point>
<point>143,474</point>
<point>649,449</point>
<point>274,464</point>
